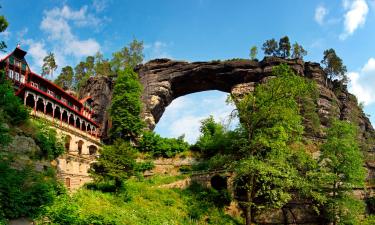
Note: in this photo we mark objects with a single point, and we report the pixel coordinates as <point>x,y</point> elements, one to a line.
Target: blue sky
<point>196,30</point>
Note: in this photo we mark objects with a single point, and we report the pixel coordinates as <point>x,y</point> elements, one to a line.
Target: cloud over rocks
<point>355,16</point>
<point>320,14</point>
<point>362,82</point>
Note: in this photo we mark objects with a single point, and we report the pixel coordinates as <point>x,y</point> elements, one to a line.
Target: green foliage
<point>46,138</point>
<point>126,106</point>
<point>24,192</point>
<point>298,51</point>
<point>116,163</point>
<point>65,79</point>
<point>141,202</point>
<point>342,163</point>
<point>3,26</point>
<point>128,56</point>
<point>284,47</point>
<point>11,108</point>
<point>161,147</point>
<point>253,52</point>
<point>102,66</point>
<point>270,47</point>
<point>334,67</point>
<point>214,138</point>
<point>271,118</point>
<point>49,65</point>
<point>5,137</point>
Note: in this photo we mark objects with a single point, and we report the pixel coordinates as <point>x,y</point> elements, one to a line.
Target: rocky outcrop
<point>164,80</point>
<point>100,89</point>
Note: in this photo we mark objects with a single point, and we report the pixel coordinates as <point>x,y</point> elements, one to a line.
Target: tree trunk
<point>248,215</point>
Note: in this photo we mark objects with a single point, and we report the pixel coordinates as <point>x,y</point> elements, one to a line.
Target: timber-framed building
<point>70,116</point>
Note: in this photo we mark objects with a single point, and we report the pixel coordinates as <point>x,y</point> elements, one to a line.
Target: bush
<point>46,138</point>
<point>12,108</point>
<point>24,192</point>
<point>159,146</point>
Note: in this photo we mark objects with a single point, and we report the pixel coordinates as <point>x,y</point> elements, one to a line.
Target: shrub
<point>46,138</point>
<point>159,146</point>
<point>12,108</point>
<point>24,192</point>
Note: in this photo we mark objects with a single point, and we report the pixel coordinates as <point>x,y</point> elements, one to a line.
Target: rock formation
<point>164,80</point>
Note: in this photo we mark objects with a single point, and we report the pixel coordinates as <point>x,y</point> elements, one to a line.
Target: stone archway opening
<point>30,102</point>
<point>40,105</point>
<point>219,182</point>
<point>93,150</point>
<point>68,139</point>
<point>80,147</point>
<point>184,115</point>
<point>49,109</point>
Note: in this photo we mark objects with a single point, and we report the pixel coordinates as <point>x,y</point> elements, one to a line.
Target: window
<point>63,100</point>
<point>22,79</point>
<point>11,60</point>
<point>24,66</point>
<point>34,84</point>
<point>17,76</point>
<point>10,74</point>
<point>50,93</point>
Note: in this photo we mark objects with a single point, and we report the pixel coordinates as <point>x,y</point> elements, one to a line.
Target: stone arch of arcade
<point>164,80</point>
<point>42,106</point>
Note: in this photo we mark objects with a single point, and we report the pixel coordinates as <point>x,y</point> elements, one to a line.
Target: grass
<point>141,202</point>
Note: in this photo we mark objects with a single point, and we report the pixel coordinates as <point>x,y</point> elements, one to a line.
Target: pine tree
<point>126,106</point>
<point>49,65</point>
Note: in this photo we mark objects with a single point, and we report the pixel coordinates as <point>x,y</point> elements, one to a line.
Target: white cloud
<point>100,5</point>
<point>58,25</point>
<point>355,16</point>
<point>320,13</point>
<point>37,51</point>
<point>158,49</point>
<point>362,82</point>
<point>5,35</point>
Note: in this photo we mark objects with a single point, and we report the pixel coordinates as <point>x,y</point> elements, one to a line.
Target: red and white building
<point>70,116</point>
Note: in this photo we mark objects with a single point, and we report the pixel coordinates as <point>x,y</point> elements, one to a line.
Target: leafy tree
<point>128,56</point>
<point>126,106</point>
<point>116,162</point>
<point>3,26</point>
<point>159,146</point>
<point>65,79</point>
<point>253,52</point>
<point>270,47</point>
<point>102,66</point>
<point>50,145</point>
<point>342,162</point>
<point>270,116</point>
<point>11,107</point>
<point>334,67</point>
<point>49,65</point>
<point>83,71</point>
<point>284,47</point>
<point>298,51</point>
<point>214,138</point>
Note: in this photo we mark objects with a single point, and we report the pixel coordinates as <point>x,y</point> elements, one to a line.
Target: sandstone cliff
<point>164,80</point>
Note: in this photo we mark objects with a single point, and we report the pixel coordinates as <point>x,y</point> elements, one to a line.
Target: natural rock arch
<point>165,80</point>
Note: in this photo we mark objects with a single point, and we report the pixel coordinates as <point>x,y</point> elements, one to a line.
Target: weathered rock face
<point>100,89</point>
<point>165,80</point>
